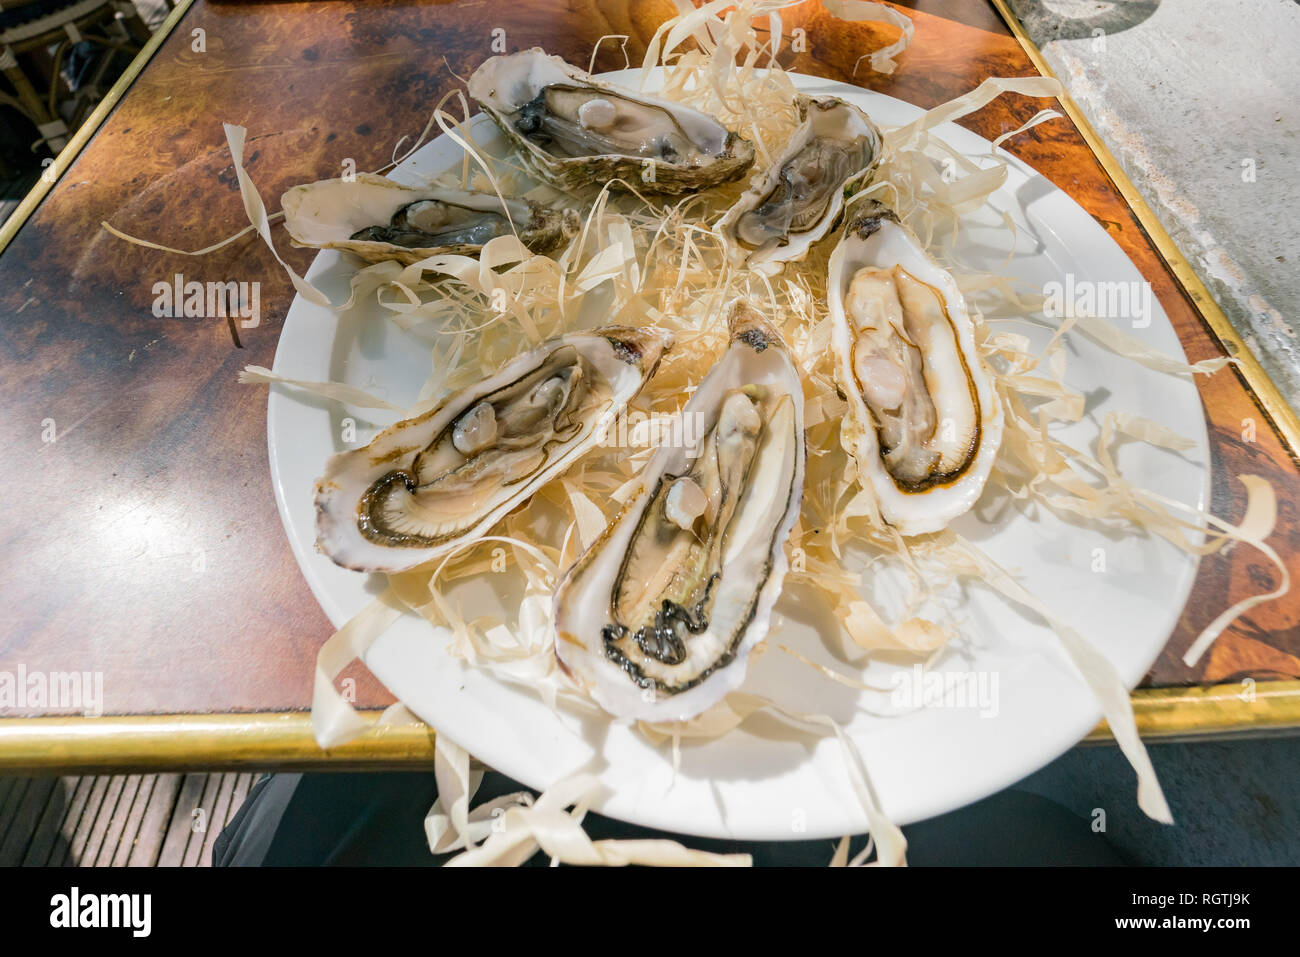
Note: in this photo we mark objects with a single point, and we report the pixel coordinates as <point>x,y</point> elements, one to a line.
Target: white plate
<point>762,781</point>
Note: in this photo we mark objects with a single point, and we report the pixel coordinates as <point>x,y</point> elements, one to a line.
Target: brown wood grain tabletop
<point>141,538</point>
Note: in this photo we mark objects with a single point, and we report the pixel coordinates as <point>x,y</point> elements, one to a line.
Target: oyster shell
<point>427,484</point>
<point>657,618</point>
<point>378,219</point>
<point>800,200</point>
<point>924,423</point>
<point>575,131</point>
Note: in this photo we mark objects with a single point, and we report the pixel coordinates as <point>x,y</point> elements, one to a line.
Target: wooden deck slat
<point>142,820</point>
<point>194,849</point>
<point>9,806</point>
<point>89,816</point>
<point>217,820</point>
<point>102,820</point>
<point>61,853</point>
<point>179,827</point>
<point>132,829</point>
<point>24,820</point>
<point>45,838</point>
<point>153,827</point>
<point>6,785</point>
<point>117,822</point>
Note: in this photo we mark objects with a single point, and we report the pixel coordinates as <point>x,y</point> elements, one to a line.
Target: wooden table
<point>143,542</point>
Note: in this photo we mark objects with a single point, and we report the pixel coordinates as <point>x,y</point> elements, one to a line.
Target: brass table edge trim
<point>1261,386</point>
<point>1212,711</point>
<point>68,155</point>
<point>280,741</point>
<point>284,740</point>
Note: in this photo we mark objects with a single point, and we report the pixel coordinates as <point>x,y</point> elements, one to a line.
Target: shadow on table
<point>378,819</point>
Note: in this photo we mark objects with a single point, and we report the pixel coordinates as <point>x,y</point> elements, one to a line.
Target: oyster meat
<point>574,131</point>
<point>923,423</point>
<point>657,619</point>
<point>800,200</point>
<point>428,484</point>
<point>378,219</point>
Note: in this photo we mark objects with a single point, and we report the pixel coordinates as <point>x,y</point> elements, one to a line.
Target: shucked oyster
<point>574,131</point>
<point>426,485</point>
<point>657,619</point>
<point>800,200</point>
<point>378,219</point>
<point>924,423</point>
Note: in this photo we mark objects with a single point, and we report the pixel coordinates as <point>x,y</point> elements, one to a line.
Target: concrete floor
<point>1200,102</point>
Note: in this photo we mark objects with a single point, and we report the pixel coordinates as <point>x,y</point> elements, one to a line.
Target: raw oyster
<point>830,157</point>
<point>657,619</point>
<point>428,484</point>
<point>924,423</point>
<point>574,131</point>
<point>378,219</point>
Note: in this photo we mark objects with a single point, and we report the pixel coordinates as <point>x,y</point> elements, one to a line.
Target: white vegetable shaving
<point>558,833</point>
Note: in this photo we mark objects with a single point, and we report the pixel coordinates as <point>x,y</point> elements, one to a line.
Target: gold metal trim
<point>1244,708</point>
<point>1263,390</point>
<point>54,172</point>
<point>283,741</point>
<point>190,742</point>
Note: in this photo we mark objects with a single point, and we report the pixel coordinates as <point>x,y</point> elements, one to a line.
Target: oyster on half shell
<point>378,219</point>
<point>800,200</point>
<point>428,484</point>
<point>658,618</point>
<point>575,131</point>
<point>924,423</point>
